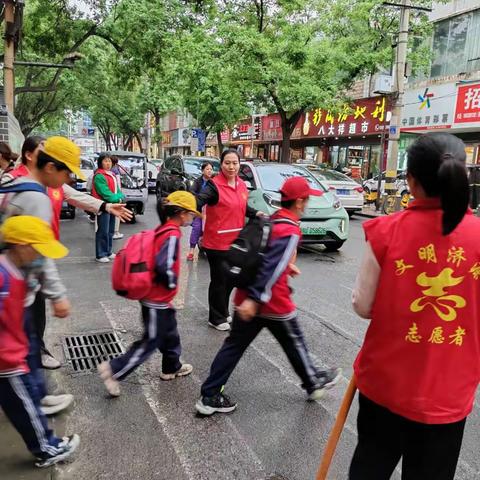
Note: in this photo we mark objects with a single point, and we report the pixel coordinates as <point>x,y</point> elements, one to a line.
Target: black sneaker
<point>65,449</point>
<point>326,379</point>
<point>219,403</point>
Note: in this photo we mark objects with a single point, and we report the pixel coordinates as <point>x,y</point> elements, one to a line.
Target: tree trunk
<point>285,153</point>
<point>159,134</point>
<point>220,143</point>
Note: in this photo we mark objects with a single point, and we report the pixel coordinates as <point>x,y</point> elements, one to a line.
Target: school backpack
<point>17,188</point>
<point>133,267</point>
<point>245,255</point>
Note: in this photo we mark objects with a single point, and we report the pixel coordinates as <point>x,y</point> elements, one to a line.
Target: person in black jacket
<point>199,184</point>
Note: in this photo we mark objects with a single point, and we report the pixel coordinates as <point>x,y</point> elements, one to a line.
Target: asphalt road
<point>152,432</point>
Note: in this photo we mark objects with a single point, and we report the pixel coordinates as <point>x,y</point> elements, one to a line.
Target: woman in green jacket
<point>105,187</point>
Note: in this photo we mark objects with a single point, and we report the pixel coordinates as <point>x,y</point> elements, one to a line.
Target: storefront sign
<point>166,139</point>
<point>468,104</point>
<point>364,117</point>
<point>272,127</point>
<point>429,108</point>
<point>243,131</point>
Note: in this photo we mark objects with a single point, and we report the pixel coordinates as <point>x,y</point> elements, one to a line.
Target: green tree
<point>301,54</point>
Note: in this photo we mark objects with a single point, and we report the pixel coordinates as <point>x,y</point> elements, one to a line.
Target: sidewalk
<point>369,211</point>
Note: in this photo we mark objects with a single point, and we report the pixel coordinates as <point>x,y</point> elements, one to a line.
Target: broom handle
<point>337,430</point>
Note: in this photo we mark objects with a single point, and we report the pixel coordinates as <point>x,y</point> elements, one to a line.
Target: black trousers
<point>428,452</point>
<point>219,289</point>
<point>39,319</point>
<point>289,336</point>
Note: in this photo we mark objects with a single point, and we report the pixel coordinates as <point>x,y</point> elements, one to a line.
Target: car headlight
<point>191,183</point>
<point>337,204</point>
<point>272,202</point>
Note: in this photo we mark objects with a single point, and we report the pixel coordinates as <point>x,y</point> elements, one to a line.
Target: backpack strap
<point>23,187</point>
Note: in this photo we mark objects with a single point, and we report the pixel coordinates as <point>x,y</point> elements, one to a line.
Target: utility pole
<point>9,57</point>
<point>399,93</point>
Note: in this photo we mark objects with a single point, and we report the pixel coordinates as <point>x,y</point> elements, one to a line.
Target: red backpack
<point>132,272</point>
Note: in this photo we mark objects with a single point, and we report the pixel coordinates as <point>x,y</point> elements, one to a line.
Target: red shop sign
<point>364,117</point>
<point>468,104</point>
<point>272,127</point>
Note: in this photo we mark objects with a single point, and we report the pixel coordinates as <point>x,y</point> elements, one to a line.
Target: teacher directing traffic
<point>225,198</point>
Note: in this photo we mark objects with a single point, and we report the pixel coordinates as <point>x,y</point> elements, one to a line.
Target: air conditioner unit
<point>383,84</point>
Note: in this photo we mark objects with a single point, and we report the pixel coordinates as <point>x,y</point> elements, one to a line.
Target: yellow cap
<point>184,200</point>
<point>27,230</point>
<point>65,151</point>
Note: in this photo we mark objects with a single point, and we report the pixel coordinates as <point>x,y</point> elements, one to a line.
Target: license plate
<point>313,231</point>
<point>343,192</point>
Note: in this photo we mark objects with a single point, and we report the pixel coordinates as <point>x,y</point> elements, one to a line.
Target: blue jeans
<point>104,235</point>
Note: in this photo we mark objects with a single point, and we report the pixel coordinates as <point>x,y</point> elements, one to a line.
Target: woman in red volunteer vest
<point>105,187</point>
<point>225,197</point>
<point>419,283</point>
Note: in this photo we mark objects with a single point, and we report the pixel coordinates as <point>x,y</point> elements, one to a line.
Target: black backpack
<point>245,255</point>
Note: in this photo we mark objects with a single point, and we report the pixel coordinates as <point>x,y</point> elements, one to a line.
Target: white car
<point>347,190</point>
<point>87,166</point>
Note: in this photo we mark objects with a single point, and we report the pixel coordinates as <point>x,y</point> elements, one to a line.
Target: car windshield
<point>331,175</point>
<point>132,171</point>
<point>86,164</point>
<point>193,166</point>
<point>272,177</point>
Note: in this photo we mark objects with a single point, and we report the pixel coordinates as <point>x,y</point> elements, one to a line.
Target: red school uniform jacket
<point>271,288</point>
<point>225,219</point>
<point>421,354</point>
<point>167,267</point>
<point>13,341</point>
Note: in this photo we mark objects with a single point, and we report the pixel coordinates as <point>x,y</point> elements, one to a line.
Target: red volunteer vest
<point>111,182</point>
<point>281,303</point>
<point>225,219</point>
<point>421,354</point>
<point>20,171</point>
<point>56,199</point>
<point>159,293</point>
<point>13,341</point>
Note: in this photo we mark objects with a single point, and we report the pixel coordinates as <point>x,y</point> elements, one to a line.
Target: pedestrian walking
<point>225,198</point>
<point>268,303</point>
<point>27,195</point>
<point>105,187</point>
<point>116,171</point>
<point>158,314</point>
<point>27,240</point>
<point>197,226</point>
<point>30,150</point>
<point>419,283</point>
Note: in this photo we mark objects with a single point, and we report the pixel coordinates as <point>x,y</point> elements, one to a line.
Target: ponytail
<point>437,162</point>
<point>454,194</point>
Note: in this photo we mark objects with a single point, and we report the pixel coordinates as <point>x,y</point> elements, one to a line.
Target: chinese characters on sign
<point>362,118</point>
<point>468,104</point>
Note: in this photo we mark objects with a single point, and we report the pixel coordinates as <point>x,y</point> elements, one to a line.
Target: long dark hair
<point>437,162</point>
<point>226,152</point>
<point>29,145</point>
<point>7,153</point>
<point>166,212</point>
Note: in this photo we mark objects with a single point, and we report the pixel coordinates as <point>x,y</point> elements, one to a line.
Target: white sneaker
<point>223,327</point>
<point>65,449</point>
<point>229,319</point>
<point>112,385</point>
<point>56,405</point>
<point>112,256</point>
<point>185,369</point>
<point>103,260</point>
<point>117,236</point>
<point>49,362</point>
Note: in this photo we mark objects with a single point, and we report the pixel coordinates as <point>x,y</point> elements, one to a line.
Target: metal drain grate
<point>85,352</point>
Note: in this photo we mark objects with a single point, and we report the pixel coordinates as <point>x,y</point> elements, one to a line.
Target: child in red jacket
<point>160,323</point>
<point>268,304</point>
<point>27,239</point>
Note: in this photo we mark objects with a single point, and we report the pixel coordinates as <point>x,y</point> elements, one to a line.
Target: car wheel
<point>133,220</point>
<point>73,213</point>
<point>159,193</point>
<point>350,213</point>
<point>334,246</point>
